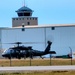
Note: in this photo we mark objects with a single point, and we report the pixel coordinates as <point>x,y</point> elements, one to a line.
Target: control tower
<point>24,17</point>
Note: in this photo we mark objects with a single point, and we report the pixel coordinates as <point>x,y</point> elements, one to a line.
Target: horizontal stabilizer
<point>52,52</point>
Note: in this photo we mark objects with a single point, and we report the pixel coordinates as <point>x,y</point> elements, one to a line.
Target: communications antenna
<point>23,3</point>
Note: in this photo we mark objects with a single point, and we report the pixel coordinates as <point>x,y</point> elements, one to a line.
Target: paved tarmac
<point>36,68</point>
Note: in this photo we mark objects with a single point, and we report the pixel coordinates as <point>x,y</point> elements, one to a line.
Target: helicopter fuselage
<point>24,52</point>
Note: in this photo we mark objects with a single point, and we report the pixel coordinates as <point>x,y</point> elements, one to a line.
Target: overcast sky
<point>47,11</point>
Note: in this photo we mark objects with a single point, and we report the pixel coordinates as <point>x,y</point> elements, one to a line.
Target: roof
<point>50,25</point>
<point>24,9</point>
<point>42,26</point>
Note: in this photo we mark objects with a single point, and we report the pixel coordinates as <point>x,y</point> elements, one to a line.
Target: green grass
<point>36,62</point>
<point>43,73</point>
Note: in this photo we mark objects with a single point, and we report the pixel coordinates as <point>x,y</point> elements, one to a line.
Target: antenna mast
<point>24,2</point>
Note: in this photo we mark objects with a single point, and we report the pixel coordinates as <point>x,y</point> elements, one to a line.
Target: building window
<point>13,18</point>
<point>52,28</point>
<point>27,18</point>
<point>28,23</point>
<point>30,18</point>
<point>16,18</point>
<point>35,18</point>
<point>19,18</point>
<point>22,18</point>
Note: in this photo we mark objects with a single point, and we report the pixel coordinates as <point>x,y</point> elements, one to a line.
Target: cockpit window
<point>8,51</point>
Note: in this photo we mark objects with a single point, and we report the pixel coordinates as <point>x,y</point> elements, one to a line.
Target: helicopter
<point>24,52</point>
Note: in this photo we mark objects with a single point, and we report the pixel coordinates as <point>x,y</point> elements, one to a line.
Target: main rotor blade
<point>32,42</point>
<point>25,43</point>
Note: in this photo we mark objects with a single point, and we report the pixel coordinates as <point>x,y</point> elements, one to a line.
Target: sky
<point>47,11</point>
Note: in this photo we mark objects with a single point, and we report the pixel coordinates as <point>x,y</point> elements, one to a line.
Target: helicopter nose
<point>3,54</point>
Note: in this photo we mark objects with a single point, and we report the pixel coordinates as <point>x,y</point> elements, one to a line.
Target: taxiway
<point>36,68</point>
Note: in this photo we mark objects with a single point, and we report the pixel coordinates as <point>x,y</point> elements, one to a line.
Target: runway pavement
<point>36,68</point>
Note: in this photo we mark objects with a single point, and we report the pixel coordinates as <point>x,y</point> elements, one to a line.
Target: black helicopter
<point>24,52</point>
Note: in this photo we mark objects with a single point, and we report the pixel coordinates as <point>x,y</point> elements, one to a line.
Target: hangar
<point>62,37</point>
<point>25,28</point>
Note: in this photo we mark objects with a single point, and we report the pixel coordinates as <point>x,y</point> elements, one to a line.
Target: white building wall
<point>29,35</point>
<point>62,38</point>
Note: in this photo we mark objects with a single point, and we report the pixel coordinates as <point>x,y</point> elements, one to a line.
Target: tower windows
<point>30,18</point>
<point>16,18</point>
<point>27,18</point>
<point>13,18</point>
<point>19,18</point>
<point>23,18</point>
<point>28,23</point>
<point>35,18</point>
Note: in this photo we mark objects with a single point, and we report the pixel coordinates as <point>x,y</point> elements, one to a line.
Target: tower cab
<point>24,17</point>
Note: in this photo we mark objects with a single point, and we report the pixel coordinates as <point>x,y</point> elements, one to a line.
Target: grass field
<point>36,62</point>
<point>42,73</point>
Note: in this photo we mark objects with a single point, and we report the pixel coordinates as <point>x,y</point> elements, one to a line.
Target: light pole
<point>23,26</point>
<point>30,57</point>
<point>10,57</point>
<point>71,54</point>
<point>50,59</point>
<point>30,48</point>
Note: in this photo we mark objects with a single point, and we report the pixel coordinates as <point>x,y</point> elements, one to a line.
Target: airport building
<point>24,17</point>
<point>25,28</point>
